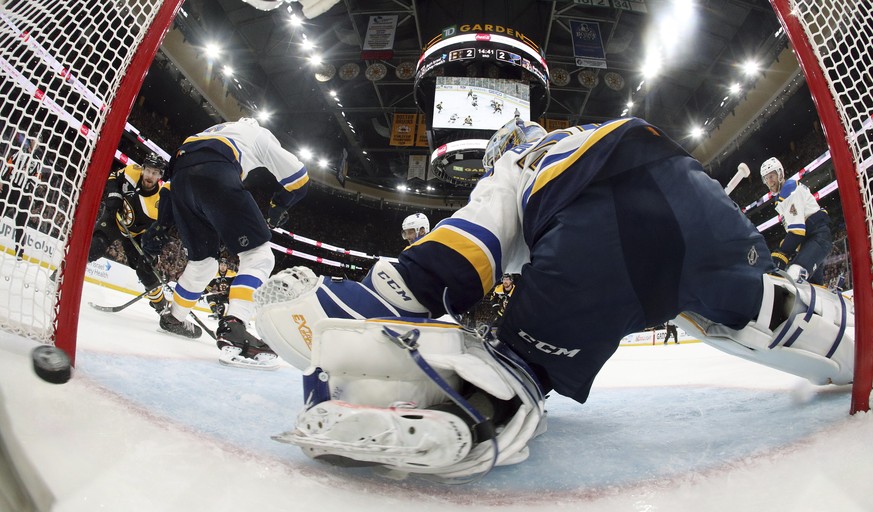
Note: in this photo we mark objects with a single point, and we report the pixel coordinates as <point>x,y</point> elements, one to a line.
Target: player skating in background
<point>210,206</point>
<point>414,227</point>
<point>496,107</point>
<point>808,239</point>
<point>218,289</point>
<point>657,237</point>
<point>500,298</point>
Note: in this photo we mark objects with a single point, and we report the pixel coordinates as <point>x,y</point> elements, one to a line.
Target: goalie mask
<point>515,132</point>
<point>412,226</point>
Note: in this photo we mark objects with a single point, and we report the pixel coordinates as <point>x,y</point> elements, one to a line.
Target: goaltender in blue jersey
<point>613,228</point>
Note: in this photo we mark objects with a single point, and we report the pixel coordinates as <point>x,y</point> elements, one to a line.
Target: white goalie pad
<point>366,368</point>
<point>287,309</point>
<point>367,374</point>
<point>817,341</point>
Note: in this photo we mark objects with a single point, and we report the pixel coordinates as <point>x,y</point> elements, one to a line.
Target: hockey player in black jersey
<point>130,206</point>
<point>657,240</point>
<point>218,289</point>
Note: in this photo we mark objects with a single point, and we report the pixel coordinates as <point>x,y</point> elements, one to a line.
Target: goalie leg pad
<point>365,367</point>
<point>402,438</point>
<point>815,341</point>
<point>358,364</point>
<point>287,326</point>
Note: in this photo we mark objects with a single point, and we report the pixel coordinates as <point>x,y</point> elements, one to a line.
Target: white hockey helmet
<point>515,132</point>
<point>773,165</point>
<point>416,222</point>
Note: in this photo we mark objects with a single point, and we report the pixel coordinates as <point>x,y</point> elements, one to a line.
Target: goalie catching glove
<point>385,392</point>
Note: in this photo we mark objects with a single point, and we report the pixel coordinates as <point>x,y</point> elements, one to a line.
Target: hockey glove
<point>277,215</point>
<point>112,204</point>
<point>780,259</point>
<point>154,239</point>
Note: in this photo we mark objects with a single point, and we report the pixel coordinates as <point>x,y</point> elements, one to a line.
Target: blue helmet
<point>515,132</point>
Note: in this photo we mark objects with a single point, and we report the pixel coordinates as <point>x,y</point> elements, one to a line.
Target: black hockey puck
<point>51,364</point>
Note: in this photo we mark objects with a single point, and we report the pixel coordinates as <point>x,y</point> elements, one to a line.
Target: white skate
<point>353,435</point>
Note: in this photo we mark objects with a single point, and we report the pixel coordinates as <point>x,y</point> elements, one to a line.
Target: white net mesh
<point>61,63</point>
<point>840,33</point>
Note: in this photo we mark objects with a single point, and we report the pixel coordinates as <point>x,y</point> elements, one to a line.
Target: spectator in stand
<point>20,180</point>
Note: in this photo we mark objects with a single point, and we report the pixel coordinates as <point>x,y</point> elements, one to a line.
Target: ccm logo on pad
<point>398,289</point>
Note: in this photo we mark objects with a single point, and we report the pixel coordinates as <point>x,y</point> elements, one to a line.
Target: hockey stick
<point>742,172</point>
<point>162,280</point>
<point>116,309</point>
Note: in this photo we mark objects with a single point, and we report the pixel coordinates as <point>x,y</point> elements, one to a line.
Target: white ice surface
<point>152,422</point>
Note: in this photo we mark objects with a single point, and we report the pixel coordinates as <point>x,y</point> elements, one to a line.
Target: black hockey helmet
<point>155,161</point>
<point>508,276</point>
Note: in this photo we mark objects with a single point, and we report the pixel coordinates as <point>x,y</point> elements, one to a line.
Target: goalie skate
<point>352,435</point>
<point>232,356</point>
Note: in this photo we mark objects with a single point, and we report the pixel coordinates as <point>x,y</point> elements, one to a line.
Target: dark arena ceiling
<point>351,104</point>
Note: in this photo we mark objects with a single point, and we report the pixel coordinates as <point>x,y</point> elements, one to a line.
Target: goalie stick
<point>742,172</point>
<point>116,309</point>
<point>163,281</point>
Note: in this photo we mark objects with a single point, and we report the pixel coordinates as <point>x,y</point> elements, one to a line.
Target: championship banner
<point>421,132</point>
<point>587,44</point>
<point>380,33</point>
<point>417,167</point>
<point>556,124</point>
<point>403,130</point>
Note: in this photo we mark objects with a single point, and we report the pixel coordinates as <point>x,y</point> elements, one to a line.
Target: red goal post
<point>831,39</point>
<point>69,74</point>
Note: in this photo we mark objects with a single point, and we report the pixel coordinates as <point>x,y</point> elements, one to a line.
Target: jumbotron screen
<point>478,103</point>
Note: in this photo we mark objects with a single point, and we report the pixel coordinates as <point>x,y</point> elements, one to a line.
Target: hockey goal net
<point>831,39</point>
<point>69,73</point>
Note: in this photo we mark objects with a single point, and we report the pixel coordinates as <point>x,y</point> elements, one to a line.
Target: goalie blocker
<point>371,400</point>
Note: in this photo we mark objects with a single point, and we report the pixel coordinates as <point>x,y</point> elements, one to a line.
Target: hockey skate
<point>182,328</point>
<point>160,306</point>
<point>241,349</point>
<point>401,437</point>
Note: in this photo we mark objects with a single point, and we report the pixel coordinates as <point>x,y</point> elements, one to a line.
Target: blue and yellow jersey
<point>795,204</point>
<point>514,204</point>
<point>250,146</point>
